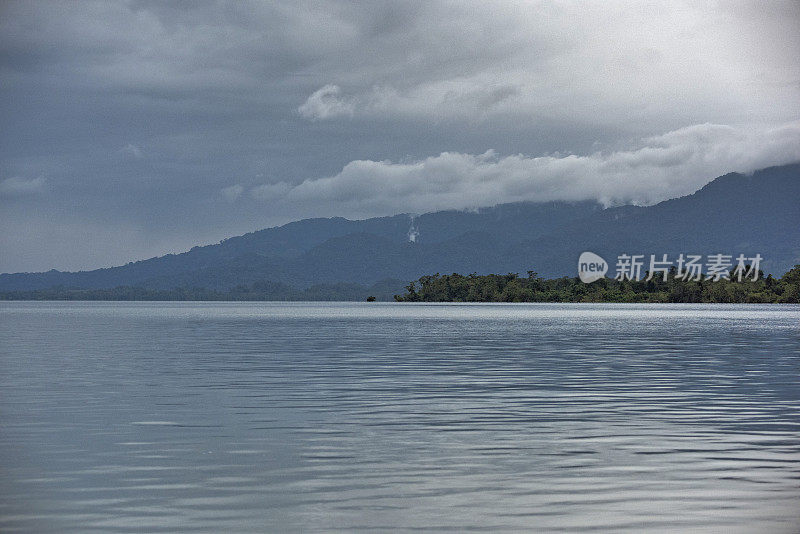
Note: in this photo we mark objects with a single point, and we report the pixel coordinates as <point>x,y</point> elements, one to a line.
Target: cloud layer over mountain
<point>666,166</point>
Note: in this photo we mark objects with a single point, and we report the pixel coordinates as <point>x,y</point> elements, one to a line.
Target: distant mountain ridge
<point>735,213</point>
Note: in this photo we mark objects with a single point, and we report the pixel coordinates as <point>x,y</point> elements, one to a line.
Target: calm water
<point>212,417</point>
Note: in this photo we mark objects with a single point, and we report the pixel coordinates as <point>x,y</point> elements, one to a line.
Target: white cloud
<point>468,99</point>
<point>326,103</point>
<point>17,186</point>
<point>232,193</point>
<point>657,168</point>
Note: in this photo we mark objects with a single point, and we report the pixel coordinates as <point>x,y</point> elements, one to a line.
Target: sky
<point>132,129</point>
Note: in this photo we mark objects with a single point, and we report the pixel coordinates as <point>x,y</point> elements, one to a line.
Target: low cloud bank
<point>657,168</point>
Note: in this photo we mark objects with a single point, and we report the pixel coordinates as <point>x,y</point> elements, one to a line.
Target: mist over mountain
<point>735,213</point>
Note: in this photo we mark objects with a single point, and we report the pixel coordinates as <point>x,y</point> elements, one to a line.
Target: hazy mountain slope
<point>278,251</point>
<point>510,222</point>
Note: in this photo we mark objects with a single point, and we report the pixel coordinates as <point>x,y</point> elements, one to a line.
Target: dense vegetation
<point>512,288</point>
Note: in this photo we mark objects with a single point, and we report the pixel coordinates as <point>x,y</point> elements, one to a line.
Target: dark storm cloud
<point>135,128</point>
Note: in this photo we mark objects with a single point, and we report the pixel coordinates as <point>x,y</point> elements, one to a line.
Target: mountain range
<point>733,214</point>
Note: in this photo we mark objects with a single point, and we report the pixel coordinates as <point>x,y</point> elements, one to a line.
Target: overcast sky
<point>131,129</point>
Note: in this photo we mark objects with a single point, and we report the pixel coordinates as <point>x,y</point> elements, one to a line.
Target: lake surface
<point>289,417</point>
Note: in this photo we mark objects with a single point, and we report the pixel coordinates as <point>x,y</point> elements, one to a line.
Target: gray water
<point>284,417</point>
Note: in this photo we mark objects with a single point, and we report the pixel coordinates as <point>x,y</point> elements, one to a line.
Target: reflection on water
<point>208,417</point>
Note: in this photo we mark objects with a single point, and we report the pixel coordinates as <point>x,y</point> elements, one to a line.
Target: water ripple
<point>252,417</point>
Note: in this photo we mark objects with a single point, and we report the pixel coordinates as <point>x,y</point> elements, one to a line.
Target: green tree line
<point>513,288</point>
